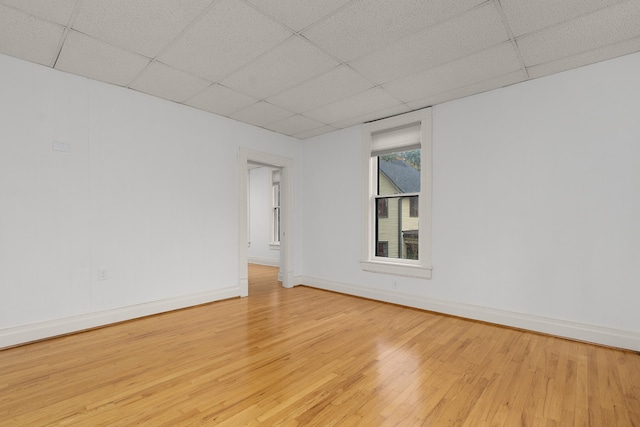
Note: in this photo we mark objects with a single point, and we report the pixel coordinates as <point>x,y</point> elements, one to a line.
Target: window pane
<point>413,206</point>
<point>399,173</point>
<point>382,249</point>
<point>276,225</point>
<point>276,194</point>
<point>382,207</point>
<point>398,230</point>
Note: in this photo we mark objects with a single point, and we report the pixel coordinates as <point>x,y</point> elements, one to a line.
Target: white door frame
<point>245,156</point>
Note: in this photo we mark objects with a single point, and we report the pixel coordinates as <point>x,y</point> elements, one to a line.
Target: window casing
<point>397,195</point>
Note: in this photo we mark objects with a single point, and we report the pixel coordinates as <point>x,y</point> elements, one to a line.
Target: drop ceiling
<point>307,67</point>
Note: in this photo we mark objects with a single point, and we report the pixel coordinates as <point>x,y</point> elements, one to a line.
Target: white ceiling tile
<point>484,86</point>
<point>28,38</point>
<point>298,14</point>
<point>314,132</point>
<point>288,64</point>
<point>335,84</point>
<point>590,57</point>
<point>394,55</point>
<point>227,37</point>
<point>365,25</point>
<point>168,83</point>
<point>221,100</point>
<point>475,30</point>
<point>141,26</point>
<point>375,115</point>
<point>91,58</point>
<point>58,11</point>
<point>294,125</point>
<point>498,60</point>
<point>260,114</point>
<point>526,16</point>
<point>370,100</point>
<point>596,30</point>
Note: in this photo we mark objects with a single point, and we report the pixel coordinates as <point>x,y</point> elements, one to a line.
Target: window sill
<point>396,269</point>
<point>274,246</point>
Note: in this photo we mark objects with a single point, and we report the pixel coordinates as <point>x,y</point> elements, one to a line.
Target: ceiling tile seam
<point>340,63</point>
<point>152,61</point>
<point>372,83</point>
<point>338,100</point>
<point>488,48</point>
<point>470,85</point>
<point>185,102</point>
<point>65,33</point>
<point>575,18</point>
<point>299,32</point>
<point>294,133</point>
<point>63,37</point>
<point>311,130</point>
<point>575,55</point>
<point>400,102</point>
<point>247,64</point>
<point>323,123</point>
<point>187,27</point>
<point>139,75</point>
<point>329,15</point>
<point>31,15</point>
<point>514,42</point>
<point>270,17</point>
<point>112,45</point>
<point>299,135</point>
<point>293,113</point>
<point>423,30</point>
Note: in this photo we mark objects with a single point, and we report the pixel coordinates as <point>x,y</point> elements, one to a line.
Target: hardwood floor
<point>308,357</point>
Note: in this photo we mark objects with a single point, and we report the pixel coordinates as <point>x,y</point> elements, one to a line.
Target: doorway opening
<point>264,216</point>
<point>284,211</point>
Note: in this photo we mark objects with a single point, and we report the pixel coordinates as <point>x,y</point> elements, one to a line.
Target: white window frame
<point>274,243</point>
<point>422,267</point>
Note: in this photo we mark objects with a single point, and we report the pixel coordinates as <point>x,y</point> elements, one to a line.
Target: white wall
<point>535,205</point>
<point>148,191</point>
<point>261,251</point>
<point>536,200</point>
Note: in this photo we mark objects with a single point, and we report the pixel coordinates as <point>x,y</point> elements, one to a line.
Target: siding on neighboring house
<point>390,228</point>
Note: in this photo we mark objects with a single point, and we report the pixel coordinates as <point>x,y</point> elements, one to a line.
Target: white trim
<point>272,206</point>
<point>37,331</point>
<point>629,340</point>
<point>245,156</point>
<point>264,261</point>
<point>274,246</point>
<point>398,267</point>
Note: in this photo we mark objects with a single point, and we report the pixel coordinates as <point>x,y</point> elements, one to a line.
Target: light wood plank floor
<point>313,358</point>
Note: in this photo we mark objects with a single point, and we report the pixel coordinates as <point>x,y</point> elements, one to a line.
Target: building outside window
<point>398,179</point>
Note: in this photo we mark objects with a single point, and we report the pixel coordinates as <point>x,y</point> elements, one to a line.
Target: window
<point>275,207</point>
<point>413,207</point>
<point>383,248</point>
<point>383,208</point>
<point>397,195</point>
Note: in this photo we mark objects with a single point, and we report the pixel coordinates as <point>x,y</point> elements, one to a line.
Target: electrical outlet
<point>102,274</point>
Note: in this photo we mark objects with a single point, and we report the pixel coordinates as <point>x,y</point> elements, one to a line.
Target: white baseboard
<point>264,261</point>
<point>10,337</point>
<point>629,340</point>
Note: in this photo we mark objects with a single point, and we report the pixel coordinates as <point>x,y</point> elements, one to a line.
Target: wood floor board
<point>307,357</point>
